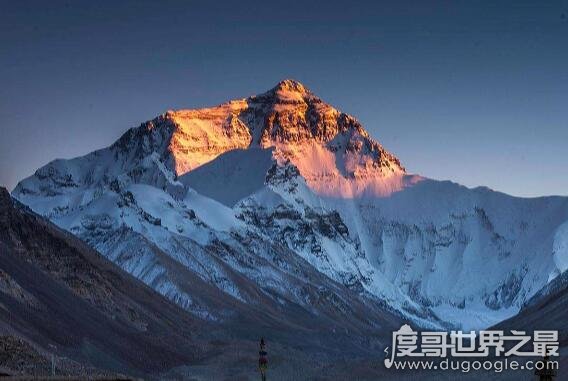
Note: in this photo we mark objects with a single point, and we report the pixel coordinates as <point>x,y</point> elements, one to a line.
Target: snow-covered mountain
<point>283,193</point>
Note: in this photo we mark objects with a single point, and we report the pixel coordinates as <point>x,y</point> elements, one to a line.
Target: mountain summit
<point>290,86</point>
<point>330,149</point>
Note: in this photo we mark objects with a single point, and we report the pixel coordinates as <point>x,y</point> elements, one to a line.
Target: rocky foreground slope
<point>63,297</point>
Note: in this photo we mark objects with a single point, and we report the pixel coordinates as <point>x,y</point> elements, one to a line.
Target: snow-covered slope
<point>266,191</point>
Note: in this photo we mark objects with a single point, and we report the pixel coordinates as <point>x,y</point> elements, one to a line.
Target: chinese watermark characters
<point>409,343</point>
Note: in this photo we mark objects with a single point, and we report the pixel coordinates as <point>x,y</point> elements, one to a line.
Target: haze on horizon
<point>474,93</point>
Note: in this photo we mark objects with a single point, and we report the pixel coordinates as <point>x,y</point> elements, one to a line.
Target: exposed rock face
<point>5,199</point>
<point>332,151</point>
<point>320,140</point>
<point>21,359</point>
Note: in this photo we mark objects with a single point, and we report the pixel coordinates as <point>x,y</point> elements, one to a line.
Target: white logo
<point>406,343</point>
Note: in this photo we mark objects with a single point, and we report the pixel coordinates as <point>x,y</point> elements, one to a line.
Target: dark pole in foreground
<point>53,347</point>
<point>545,374</point>
<point>262,359</point>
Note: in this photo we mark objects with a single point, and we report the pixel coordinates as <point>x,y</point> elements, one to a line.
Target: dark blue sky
<point>475,92</point>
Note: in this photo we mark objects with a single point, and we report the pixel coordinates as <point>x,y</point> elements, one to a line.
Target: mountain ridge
<point>285,172</point>
<point>59,296</point>
<point>288,118</point>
